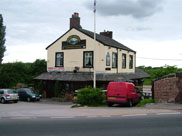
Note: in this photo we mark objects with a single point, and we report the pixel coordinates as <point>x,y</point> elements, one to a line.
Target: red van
<point>122,92</point>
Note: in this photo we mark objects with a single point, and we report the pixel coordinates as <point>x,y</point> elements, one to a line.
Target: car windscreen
<point>29,91</point>
<point>11,91</point>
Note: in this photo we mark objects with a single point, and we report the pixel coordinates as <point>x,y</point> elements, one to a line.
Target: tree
<point>13,73</point>
<point>2,39</point>
<point>18,72</point>
<point>158,72</point>
<point>38,67</point>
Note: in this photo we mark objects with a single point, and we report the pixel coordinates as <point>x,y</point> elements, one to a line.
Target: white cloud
<point>28,53</point>
<point>156,54</point>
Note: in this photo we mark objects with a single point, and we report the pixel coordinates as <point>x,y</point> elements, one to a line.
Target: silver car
<point>7,95</point>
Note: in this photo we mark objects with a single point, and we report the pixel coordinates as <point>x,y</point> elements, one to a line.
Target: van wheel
<point>109,104</point>
<point>3,100</point>
<point>130,103</point>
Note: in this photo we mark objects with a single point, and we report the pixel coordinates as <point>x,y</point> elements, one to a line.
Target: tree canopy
<point>2,39</point>
<point>158,72</point>
<point>18,72</point>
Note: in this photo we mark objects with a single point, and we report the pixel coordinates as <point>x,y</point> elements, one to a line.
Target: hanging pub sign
<point>73,42</point>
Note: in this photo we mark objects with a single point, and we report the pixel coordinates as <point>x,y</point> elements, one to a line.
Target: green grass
<point>144,102</point>
<point>147,81</point>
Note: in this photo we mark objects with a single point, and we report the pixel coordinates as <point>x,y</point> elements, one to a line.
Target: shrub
<point>90,96</point>
<point>145,101</point>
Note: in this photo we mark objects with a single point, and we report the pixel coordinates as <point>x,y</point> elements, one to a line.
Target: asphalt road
<point>151,125</point>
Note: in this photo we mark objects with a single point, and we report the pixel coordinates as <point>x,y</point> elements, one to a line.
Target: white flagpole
<point>94,44</point>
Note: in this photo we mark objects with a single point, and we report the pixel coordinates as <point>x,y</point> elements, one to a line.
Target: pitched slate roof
<point>105,40</point>
<point>100,38</point>
<point>84,76</point>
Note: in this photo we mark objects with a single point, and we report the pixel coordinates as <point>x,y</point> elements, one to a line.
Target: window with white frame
<point>88,59</point>
<point>59,59</point>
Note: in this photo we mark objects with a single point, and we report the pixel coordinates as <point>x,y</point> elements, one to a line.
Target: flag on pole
<point>94,6</point>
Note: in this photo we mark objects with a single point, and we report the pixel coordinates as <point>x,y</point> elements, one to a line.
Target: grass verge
<point>144,102</point>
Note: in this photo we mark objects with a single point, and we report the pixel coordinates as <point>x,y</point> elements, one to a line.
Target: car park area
<point>51,109</point>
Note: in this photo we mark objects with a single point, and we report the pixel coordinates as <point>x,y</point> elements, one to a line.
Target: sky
<point>153,28</point>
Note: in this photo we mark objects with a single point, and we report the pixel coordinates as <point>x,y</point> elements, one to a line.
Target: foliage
<point>40,87</point>
<point>2,39</point>
<point>145,101</point>
<point>18,72</point>
<point>38,67</point>
<point>56,89</point>
<point>90,96</point>
<point>158,72</point>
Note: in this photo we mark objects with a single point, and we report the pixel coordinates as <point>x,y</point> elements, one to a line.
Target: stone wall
<point>168,89</point>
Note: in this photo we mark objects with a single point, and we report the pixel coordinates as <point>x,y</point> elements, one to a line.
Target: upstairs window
<point>131,62</point>
<point>108,59</point>
<point>123,61</point>
<point>88,59</point>
<point>59,59</point>
<point>114,60</point>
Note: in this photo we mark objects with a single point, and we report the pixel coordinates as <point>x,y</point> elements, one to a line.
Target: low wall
<point>168,89</point>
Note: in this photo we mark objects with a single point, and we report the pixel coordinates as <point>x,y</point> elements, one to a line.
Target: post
<point>94,85</point>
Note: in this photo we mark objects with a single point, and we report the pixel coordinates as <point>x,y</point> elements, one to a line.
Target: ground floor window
<point>59,59</point>
<point>88,59</point>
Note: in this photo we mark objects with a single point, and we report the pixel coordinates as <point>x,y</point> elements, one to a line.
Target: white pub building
<point>70,60</point>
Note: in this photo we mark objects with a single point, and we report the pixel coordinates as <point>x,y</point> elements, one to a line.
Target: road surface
<point>143,125</point>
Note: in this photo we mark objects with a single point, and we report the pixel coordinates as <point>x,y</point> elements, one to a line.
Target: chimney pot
<point>107,34</point>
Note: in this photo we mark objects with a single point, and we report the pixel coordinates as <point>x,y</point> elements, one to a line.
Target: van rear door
<point>116,91</point>
<point>111,91</point>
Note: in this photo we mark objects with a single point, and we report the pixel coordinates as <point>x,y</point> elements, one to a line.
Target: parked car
<point>7,95</point>
<point>26,94</point>
<point>122,93</point>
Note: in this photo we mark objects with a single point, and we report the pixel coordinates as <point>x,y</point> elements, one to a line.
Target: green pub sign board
<point>73,42</point>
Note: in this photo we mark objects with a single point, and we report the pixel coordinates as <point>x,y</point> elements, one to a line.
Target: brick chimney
<point>75,21</point>
<point>107,34</point>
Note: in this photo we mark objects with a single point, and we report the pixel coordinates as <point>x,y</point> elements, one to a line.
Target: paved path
<point>170,106</point>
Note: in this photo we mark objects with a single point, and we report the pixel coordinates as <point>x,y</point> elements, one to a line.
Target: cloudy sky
<point>153,28</point>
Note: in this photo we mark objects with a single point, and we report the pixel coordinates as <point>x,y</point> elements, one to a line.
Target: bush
<point>90,96</point>
<point>145,101</point>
